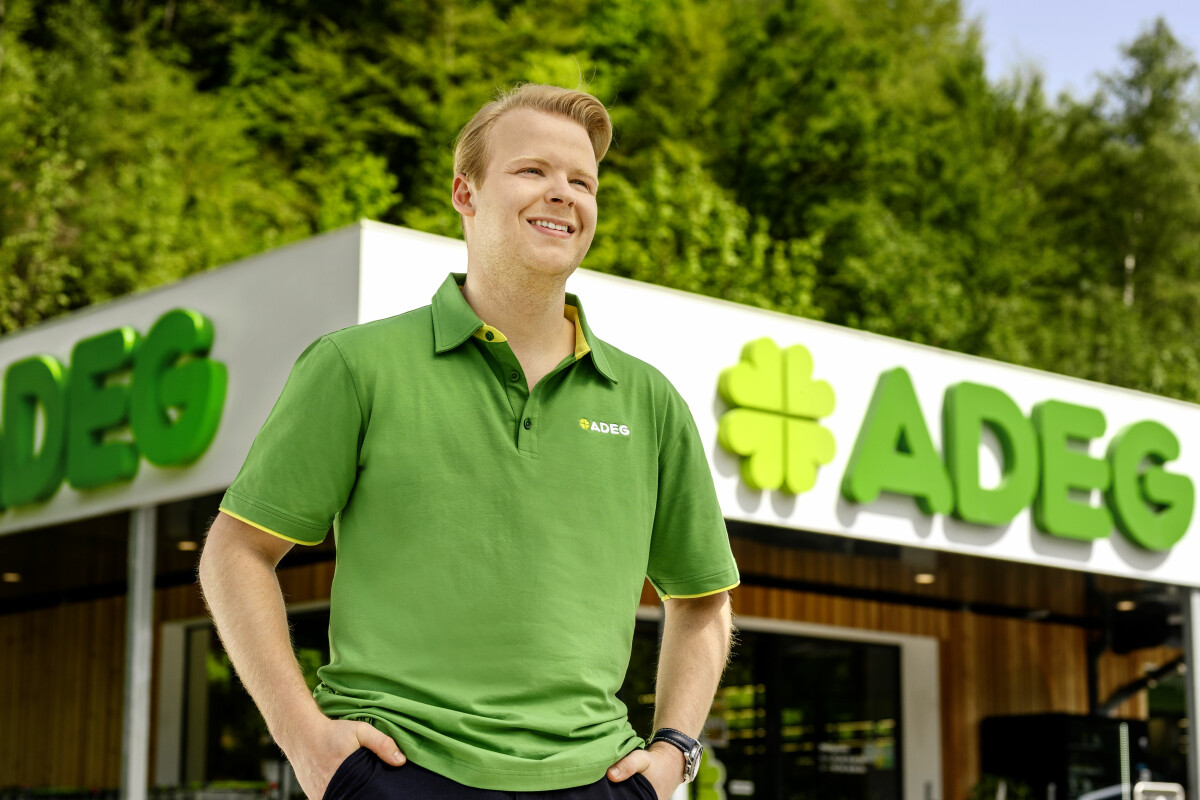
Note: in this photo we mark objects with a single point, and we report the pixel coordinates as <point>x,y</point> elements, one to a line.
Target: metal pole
<point>139,639</point>
<point>1191,636</point>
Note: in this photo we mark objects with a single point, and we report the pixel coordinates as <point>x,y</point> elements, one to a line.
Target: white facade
<point>268,308</point>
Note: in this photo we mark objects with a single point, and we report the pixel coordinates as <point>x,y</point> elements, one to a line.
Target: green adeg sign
<point>170,404</point>
<point>1045,459</point>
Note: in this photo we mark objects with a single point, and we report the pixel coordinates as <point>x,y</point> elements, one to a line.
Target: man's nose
<point>559,192</point>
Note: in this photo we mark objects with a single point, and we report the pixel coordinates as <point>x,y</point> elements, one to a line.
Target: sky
<point>1071,40</point>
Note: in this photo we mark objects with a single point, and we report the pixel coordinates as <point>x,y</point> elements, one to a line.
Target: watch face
<point>693,762</point>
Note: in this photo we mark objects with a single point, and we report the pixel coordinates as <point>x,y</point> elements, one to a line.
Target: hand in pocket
<point>319,757</point>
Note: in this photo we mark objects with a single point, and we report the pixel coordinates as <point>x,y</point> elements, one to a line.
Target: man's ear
<point>462,195</point>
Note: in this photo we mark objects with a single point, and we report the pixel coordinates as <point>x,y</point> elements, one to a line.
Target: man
<point>491,541</point>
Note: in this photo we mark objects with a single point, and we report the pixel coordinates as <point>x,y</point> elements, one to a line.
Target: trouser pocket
<point>644,786</point>
<point>350,776</point>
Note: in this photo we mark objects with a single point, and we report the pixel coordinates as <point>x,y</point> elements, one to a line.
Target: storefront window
<point>839,710</point>
<point>1168,726</point>
<point>232,747</point>
<point>637,693</point>
<point>801,718</point>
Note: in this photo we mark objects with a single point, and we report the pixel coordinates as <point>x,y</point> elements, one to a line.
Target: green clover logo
<point>773,424</point>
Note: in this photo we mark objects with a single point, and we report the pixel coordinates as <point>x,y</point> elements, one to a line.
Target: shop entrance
<point>807,718</point>
<point>842,700</point>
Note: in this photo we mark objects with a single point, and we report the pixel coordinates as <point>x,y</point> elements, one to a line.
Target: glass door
<point>839,711</point>
<point>800,718</point>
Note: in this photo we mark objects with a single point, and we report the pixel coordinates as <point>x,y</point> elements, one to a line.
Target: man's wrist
<point>301,729</point>
<point>672,752</point>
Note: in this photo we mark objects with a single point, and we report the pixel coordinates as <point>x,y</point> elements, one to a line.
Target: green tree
<point>672,225</point>
<point>120,174</point>
<point>1121,184</point>
<point>37,186</point>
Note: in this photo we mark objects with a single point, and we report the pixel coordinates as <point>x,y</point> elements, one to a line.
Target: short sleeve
<point>303,463</point>
<point>689,551</point>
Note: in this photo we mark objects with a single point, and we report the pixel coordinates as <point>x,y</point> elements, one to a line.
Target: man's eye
<point>584,184</point>
<point>532,169</point>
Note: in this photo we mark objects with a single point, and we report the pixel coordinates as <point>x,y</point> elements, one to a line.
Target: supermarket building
<point>952,568</point>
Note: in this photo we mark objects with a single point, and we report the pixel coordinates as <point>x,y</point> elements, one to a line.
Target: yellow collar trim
<point>489,334</point>
<point>581,345</point>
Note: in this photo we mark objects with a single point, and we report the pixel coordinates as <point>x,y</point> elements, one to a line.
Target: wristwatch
<point>692,750</point>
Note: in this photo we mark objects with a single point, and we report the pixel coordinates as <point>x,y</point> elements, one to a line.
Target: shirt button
<point>489,335</point>
<point>528,424</point>
<point>514,376</point>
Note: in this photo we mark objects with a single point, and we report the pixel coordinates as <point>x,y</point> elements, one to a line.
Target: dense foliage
<point>845,160</point>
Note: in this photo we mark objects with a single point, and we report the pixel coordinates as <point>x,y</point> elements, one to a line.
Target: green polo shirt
<point>492,542</point>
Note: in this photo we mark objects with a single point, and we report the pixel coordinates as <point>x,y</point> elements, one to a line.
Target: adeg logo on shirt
<point>604,427</point>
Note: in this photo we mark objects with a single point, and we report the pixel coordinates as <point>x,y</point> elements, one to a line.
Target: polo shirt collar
<point>454,321</point>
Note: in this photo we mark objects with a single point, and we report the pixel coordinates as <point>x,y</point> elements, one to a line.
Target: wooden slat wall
<point>61,705</point>
<point>61,698</point>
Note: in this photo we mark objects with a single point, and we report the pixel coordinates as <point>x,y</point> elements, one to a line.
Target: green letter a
<point>894,452</point>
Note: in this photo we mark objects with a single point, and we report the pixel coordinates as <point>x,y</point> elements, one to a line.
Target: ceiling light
<point>1126,605</point>
<point>188,545</point>
<point>12,577</point>
<point>924,578</point>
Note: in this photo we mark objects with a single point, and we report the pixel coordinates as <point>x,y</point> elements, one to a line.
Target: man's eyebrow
<point>545,163</point>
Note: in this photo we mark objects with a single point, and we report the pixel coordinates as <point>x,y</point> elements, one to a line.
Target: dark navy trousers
<point>365,776</point>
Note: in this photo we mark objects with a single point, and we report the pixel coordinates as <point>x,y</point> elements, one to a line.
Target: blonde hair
<point>471,148</point>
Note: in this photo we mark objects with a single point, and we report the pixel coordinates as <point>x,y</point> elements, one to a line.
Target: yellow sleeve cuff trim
<point>261,528</point>
<point>702,594</point>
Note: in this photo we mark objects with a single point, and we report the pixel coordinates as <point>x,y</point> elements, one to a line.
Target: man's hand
<point>661,763</point>
<point>318,755</point>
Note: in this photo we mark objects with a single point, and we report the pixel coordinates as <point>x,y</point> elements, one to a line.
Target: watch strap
<point>677,738</point>
<point>692,750</point>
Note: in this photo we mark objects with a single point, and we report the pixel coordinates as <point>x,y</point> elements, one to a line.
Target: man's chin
<point>553,268</point>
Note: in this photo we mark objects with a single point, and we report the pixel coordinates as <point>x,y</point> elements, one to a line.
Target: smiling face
<point>535,208</point>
